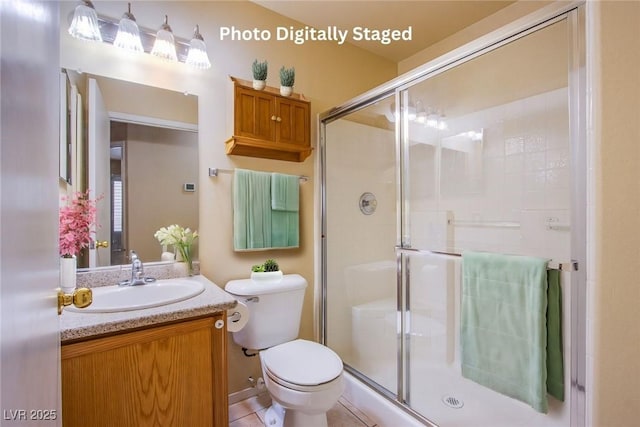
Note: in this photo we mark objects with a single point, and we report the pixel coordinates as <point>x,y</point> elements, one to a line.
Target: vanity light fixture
<point>417,113</point>
<point>128,36</point>
<point>125,33</point>
<point>197,56</point>
<point>392,116</point>
<point>165,46</point>
<point>84,25</point>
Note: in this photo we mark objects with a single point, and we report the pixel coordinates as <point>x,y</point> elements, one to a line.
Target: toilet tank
<point>275,308</point>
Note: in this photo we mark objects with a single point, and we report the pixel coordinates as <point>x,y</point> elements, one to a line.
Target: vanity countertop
<point>213,299</point>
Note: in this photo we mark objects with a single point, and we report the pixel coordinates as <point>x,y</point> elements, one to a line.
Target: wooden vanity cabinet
<point>268,125</point>
<point>170,375</point>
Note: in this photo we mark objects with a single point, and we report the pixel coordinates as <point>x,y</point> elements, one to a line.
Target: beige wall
<point>327,75</point>
<point>614,351</point>
<point>149,101</point>
<point>158,162</point>
<point>492,22</point>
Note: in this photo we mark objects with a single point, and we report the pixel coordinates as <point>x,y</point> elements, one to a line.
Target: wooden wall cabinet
<point>268,125</point>
<point>171,375</point>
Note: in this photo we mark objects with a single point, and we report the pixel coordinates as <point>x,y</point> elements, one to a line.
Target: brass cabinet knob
<point>278,119</point>
<point>81,298</point>
<point>102,244</point>
<point>274,118</point>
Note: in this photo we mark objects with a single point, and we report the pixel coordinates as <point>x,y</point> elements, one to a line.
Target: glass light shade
<point>411,113</point>
<point>165,46</point>
<point>197,56</point>
<point>432,120</point>
<point>421,114</point>
<point>84,25</point>
<point>128,36</point>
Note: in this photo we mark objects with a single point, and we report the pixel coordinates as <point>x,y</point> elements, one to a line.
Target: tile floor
<point>250,413</point>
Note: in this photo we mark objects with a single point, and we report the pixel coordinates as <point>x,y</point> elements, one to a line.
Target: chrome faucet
<point>137,272</point>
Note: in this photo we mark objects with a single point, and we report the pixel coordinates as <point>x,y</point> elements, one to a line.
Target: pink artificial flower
<point>76,222</point>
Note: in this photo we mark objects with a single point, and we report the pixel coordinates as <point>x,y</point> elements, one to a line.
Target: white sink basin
<point>110,299</point>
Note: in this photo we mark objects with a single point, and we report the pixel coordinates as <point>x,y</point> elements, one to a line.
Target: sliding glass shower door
<point>486,168</point>
<point>475,155</point>
<point>361,193</point>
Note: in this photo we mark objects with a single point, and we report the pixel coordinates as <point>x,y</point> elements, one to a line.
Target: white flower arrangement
<point>179,237</point>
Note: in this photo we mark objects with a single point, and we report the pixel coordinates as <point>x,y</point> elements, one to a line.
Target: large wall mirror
<point>136,148</point>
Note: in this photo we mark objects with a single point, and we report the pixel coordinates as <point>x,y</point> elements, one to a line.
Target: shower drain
<point>452,402</point>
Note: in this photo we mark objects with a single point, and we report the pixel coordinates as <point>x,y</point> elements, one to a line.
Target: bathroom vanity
<point>161,366</point>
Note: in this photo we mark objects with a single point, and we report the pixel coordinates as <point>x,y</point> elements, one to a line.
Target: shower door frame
<point>574,14</point>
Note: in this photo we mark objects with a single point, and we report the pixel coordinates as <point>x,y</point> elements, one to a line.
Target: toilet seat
<point>302,365</point>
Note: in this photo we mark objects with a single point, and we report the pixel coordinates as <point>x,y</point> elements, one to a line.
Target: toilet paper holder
<point>235,316</point>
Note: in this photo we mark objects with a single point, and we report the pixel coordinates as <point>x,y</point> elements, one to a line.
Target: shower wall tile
<point>514,164</point>
<point>514,145</point>
<point>524,173</point>
<point>535,161</point>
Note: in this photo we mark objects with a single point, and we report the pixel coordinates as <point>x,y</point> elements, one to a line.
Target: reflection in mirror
<point>140,155</point>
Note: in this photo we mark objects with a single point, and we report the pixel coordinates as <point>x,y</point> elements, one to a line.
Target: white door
<point>29,259</point>
<point>99,138</point>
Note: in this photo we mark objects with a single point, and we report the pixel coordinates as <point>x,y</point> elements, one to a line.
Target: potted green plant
<point>269,270</point>
<point>259,74</point>
<point>287,78</point>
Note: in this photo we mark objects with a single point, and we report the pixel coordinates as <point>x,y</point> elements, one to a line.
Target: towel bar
<point>562,266</point>
<point>216,171</point>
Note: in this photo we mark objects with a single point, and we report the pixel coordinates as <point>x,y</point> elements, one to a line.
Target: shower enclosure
<point>479,151</point>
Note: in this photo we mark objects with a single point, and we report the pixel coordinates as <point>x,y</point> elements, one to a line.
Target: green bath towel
<point>504,326</point>
<point>251,210</point>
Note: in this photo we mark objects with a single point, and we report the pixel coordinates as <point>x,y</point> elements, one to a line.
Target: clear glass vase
<point>184,252</point>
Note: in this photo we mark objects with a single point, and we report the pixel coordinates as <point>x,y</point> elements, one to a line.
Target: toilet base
<point>274,417</point>
<point>277,416</point>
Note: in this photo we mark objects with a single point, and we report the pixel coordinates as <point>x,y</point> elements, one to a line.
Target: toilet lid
<point>303,362</point>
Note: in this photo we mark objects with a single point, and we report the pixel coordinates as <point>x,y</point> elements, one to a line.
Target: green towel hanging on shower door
<point>555,368</point>
<point>503,329</point>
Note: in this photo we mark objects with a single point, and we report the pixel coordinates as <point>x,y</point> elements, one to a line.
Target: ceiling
<point>431,20</point>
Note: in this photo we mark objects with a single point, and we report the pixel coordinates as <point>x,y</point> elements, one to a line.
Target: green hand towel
<point>251,210</point>
<point>285,192</point>
<point>285,219</point>
<point>503,328</point>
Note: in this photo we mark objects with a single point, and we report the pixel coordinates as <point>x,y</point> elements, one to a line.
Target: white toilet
<point>304,378</point>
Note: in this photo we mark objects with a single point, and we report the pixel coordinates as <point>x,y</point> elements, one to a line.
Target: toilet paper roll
<point>237,317</point>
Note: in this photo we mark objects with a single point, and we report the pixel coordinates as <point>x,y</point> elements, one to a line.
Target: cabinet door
<point>254,114</point>
<point>294,124</point>
<point>172,375</point>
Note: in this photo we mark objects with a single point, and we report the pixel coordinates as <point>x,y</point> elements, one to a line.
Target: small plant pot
<point>270,276</point>
<point>286,90</point>
<point>259,84</point>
